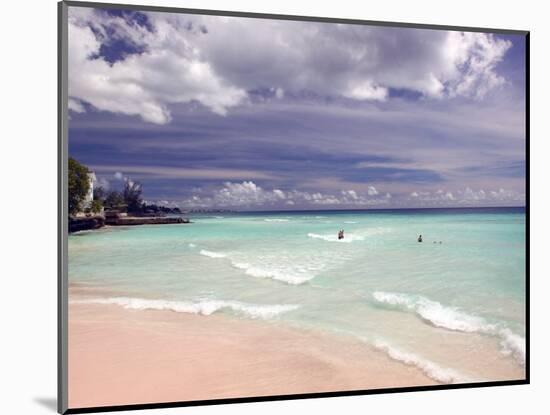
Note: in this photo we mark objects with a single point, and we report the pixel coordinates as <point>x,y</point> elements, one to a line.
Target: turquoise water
<point>427,304</point>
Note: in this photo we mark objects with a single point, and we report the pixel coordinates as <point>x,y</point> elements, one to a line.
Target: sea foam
<point>429,368</point>
<point>434,312</point>
<point>275,220</point>
<point>212,254</point>
<point>451,318</point>
<point>201,307</point>
<point>348,238</point>
<point>289,277</point>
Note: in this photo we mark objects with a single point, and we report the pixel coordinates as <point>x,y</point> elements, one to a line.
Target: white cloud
<point>469,197</point>
<point>248,194</point>
<point>279,93</point>
<point>168,71</point>
<point>366,91</point>
<point>372,191</point>
<point>76,106</point>
<point>279,193</point>
<point>216,60</point>
<point>352,194</point>
<point>472,58</point>
<point>102,182</point>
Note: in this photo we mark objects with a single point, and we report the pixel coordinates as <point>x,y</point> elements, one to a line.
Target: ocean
<point>453,306</point>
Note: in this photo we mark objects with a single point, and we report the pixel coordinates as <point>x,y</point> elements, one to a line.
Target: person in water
<point>341,234</point>
<point>419,238</point>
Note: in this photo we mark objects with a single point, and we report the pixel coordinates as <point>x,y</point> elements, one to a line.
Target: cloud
<point>468,197</point>
<point>217,61</point>
<point>279,193</point>
<point>248,194</point>
<point>473,59</point>
<point>102,182</point>
<point>279,93</point>
<point>350,193</point>
<point>76,106</point>
<point>372,191</point>
<point>168,71</point>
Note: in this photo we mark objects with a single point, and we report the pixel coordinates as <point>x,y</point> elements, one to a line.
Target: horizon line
<point>354,210</point>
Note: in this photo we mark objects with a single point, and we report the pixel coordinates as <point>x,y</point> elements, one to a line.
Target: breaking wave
<point>275,220</point>
<point>292,278</point>
<point>212,254</point>
<point>202,307</point>
<point>287,275</point>
<point>348,238</point>
<point>429,368</point>
<point>451,318</point>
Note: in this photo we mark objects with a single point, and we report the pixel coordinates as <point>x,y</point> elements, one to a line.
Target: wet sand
<point>119,356</point>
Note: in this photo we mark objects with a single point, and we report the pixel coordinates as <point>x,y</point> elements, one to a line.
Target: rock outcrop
<point>86,223</point>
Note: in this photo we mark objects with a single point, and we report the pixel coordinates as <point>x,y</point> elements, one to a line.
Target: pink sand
<point>119,356</point>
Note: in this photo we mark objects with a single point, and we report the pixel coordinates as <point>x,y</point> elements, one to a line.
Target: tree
<point>113,199</point>
<point>79,185</point>
<point>132,196</point>
<point>96,206</point>
<point>99,193</point>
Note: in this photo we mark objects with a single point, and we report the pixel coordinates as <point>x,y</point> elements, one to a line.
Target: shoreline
<point>95,222</point>
<point>120,356</point>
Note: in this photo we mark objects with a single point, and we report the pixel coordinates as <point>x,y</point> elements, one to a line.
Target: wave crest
<point>348,238</point>
<point>279,275</point>
<point>212,254</point>
<point>434,312</point>
<point>202,307</point>
<point>430,369</point>
<point>452,319</point>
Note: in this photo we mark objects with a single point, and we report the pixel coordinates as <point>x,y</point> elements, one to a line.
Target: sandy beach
<point>119,356</point>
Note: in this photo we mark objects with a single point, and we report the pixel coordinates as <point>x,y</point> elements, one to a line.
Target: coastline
<point>119,356</point>
<point>80,224</point>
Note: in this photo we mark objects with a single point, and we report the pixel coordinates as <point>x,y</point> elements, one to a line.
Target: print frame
<point>63,406</point>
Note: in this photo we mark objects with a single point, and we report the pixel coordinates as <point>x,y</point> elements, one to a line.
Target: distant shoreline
<point>461,209</point>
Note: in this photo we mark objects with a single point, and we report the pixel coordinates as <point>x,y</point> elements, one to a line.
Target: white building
<point>90,195</point>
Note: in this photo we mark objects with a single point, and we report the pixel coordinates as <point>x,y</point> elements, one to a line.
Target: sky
<point>260,114</point>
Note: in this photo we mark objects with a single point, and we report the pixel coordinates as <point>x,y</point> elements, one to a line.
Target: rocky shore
<point>137,220</point>
<point>95,222</point>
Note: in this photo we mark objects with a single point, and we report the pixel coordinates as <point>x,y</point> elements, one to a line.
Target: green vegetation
<point>129,199</point>
<point>155,209</point>
<point>96,206</point>
<point>132,196</point>
<point>100,194</point>
<point>113,200</point>
<point>79,185</point>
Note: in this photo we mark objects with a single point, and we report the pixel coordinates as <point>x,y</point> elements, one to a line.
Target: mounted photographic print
<point>258,207</point>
